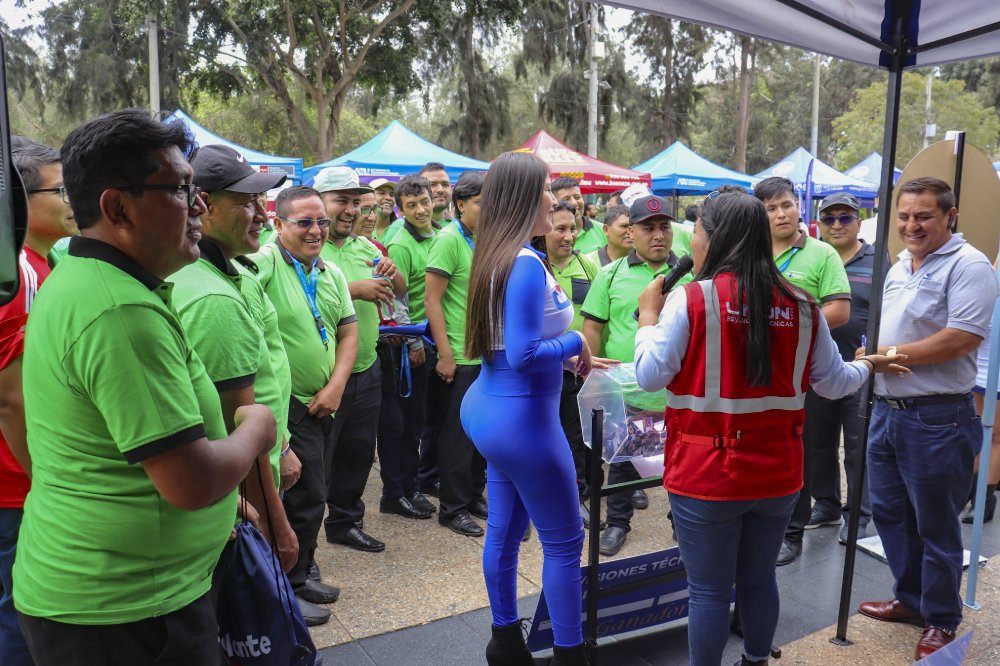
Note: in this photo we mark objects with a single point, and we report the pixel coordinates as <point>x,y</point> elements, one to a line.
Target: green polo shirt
<point>816,268</point>
<point>409,250</point>
<point>58,251</point>
<point>350,258</point>
<point>591,237</point>
<point>274,395</point>
<point>208,296</point>
<point>575,279</point>
<point>391,231</point>
<point>311,361</point>
<point>266,234</point>
<point>450,255</point>
<point>612,300</point>
<point>110,380</point>
<point>681,244</point>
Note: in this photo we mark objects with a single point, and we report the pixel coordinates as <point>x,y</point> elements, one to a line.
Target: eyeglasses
<point>308,222</point>
<point>368,210</point>
<point>190,189</point>
<point>843,219</point>
<point>61,191</point>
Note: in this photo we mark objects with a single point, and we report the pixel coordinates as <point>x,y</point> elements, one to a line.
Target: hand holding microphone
<point>682,268</point>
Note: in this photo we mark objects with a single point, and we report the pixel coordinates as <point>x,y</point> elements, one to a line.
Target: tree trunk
<point>474,109</point>
<point>743,106</point>
<point>669,121</point>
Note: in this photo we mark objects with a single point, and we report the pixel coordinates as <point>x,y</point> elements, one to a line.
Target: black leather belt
<point>913,403</point>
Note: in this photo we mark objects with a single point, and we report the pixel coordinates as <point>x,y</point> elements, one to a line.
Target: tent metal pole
<point>875,306</point>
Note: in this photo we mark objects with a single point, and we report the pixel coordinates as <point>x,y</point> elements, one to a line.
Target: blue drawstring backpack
<point>259,619</point>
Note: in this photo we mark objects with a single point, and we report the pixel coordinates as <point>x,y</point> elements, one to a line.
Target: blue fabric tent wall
<point>678,170</point>
<point>825,179</point>
<point>397,151</point>
<point>870,170</point>
<point>290,166</point>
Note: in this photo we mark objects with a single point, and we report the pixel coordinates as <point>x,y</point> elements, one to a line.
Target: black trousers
<point>186,637</point>
<point>354,430</point>
<point>803,507</point>
<point>620,507</point>
<point>428,471</point>
<point>823,426</point>
<point>400,424</point>
<point>462,468</point>
<point>305,502</point>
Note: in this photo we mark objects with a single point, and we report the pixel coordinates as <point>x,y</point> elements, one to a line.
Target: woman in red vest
<point>736,350</point>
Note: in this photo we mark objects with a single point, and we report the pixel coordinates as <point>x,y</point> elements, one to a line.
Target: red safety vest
<point>726,439</point>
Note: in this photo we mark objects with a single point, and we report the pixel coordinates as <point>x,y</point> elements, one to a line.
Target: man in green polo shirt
<point>134,475</point>
<point>619,235</point>
<point>816,268</point>
<point>356,425</point>
<point>590,236</point>
<point>449,264</point>
<point>610,304</point>
<point>575,273</point>
<point>320,333</point>
<point>385,204</point>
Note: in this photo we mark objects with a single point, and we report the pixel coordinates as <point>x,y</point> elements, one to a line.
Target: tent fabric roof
<point>826,179</point>
<point>869,23</point>
<point>594,175</point>
<point>678,170</point>
<point>870,169</point>
<point>291,166</point>
<point>397,151</point>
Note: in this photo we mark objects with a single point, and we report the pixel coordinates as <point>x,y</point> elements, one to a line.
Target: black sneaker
<point>822,517</point>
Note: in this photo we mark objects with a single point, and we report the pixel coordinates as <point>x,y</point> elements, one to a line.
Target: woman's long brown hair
<point>509,208</point>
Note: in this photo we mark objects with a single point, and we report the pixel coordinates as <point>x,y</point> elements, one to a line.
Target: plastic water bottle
<point>385,310</point>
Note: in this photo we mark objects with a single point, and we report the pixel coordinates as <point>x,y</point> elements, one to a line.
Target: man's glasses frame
<point>306,223</point>
<point>61,191</point>
<point>190,189</point>
<point>845,219</point>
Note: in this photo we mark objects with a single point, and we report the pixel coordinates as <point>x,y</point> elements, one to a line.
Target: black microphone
<point>680,269</point>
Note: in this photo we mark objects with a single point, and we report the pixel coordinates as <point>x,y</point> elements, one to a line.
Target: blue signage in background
<point>660,602</point>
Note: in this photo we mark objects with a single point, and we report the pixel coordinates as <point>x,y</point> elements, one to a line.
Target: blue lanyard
<point>404,372</point>
<point>309,287</point>
<point>461,230</point>
<point>784,266</point>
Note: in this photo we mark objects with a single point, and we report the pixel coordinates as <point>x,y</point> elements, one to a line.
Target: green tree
<point>859,130</point>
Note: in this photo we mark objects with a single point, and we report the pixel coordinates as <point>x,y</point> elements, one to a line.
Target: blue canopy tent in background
<point>825,179</point>
<point>678,171</point>
<point>397,151</point>
<point>895,35</point>
<point>870,170</point>
<point>290,166</point>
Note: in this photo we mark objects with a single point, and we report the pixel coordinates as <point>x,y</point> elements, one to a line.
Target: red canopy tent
<point>595,176</point>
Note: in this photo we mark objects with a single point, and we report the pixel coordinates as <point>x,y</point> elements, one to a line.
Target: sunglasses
<point>308,222</point>
<point>843,219</point>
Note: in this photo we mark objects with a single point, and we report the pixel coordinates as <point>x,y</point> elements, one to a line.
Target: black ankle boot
<point>507,647</point>
<point>988,510</point>
<point>746,662</point>
<point>574,656</point>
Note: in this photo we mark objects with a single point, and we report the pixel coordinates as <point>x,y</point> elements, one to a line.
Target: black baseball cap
<point>647,208</point>
<point>840,199</point>
<point>217,168</point>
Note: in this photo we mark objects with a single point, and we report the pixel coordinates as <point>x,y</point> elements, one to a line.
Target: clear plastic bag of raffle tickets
<point>633,418</point>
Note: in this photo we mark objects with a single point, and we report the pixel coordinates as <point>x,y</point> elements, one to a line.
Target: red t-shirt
<point>14,483</point>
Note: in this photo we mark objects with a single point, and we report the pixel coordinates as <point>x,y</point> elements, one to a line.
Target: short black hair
<point>773,187</point>
<point>564,183</point>
<point>727,189</point>
<point>431,166</point>
<point>941,190</point>
<point>692,212</point>
<point>616,193</point>
<point>411,185</point>
<point>29,157</point>
<point>564,206</point>
<point>469,184</point>
<point>614,212</point>
<point>113,150</point>
<point>289,194</point>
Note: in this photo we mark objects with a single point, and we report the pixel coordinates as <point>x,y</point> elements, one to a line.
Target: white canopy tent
<point>894,35</point>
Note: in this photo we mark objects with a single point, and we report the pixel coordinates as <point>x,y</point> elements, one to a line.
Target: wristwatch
<point>891,351</point>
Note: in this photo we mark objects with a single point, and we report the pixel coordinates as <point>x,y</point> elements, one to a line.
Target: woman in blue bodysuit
<point>517,322</point>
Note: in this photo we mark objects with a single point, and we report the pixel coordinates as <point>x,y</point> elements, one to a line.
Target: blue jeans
<point>920,468</point>
<point>727,542</point>
<point>13,649</point>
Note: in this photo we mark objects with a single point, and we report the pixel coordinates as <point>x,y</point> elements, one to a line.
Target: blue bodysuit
<point>511,413</point>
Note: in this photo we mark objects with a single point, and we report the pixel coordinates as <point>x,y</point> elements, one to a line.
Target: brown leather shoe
<point>892,610</point>
<point>934,639</point>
